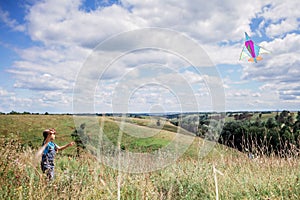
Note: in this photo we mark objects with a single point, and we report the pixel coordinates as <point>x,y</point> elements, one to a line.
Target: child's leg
<point>45,166</point>
<point>50,173</point>
<point>48,170</point>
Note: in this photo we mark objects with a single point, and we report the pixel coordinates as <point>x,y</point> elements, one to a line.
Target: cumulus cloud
<point>281,17</point>
<point>10,100</point>
<point>68,24</point>
<point>67,33</point>
<point>207,21</point>
<point>280,70</point>
<point>60,65</point>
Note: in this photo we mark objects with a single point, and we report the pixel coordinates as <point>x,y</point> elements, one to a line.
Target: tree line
<point>278,134</point>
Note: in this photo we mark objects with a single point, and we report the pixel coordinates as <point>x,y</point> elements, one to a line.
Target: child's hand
<point>71,143</point>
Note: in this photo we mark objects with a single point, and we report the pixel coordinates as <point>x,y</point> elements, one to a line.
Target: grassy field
<point>190,177</point>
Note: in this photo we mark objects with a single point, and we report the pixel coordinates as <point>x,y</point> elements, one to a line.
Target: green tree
<point>233,134</point>
<point>283,116</point>
<point>271,123</point>
<point>80,138</point>
<point>296,126</point>
<point>298,116</point>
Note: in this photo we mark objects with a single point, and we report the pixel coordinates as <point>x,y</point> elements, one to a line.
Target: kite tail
<point>251,60</point>
<point>258,58</point>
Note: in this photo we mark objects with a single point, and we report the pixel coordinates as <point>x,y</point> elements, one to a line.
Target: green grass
<point>29,128</point>
<point>190,177</point>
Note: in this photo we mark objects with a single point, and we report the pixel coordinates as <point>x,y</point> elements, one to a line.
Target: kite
<point>251,50</point>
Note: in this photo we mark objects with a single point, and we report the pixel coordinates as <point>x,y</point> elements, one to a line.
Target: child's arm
<point>65,146</point>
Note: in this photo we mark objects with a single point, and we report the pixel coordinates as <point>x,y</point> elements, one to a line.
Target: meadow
<point>192,176</point>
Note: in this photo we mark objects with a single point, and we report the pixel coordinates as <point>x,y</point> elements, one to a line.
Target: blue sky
<point>45,44</point>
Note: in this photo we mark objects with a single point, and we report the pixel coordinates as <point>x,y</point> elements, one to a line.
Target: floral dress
<point>47,163</point>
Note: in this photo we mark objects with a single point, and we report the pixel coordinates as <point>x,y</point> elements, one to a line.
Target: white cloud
<point>10,100</point>
<point>227,54</point>
<point>281,17</point>
<point>247,99</point>
<point>286,25</point>
<point>67,34</point>
<point>7,100</point>
<point>281,64</point>
<point>68,24</point>
<point>60,63</point>
<point>206,21</point>
<point>11,23</point>
<point>4,93</point>
<point>279,70</point>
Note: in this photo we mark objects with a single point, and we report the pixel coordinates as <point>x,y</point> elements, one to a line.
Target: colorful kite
<point>251,50</point>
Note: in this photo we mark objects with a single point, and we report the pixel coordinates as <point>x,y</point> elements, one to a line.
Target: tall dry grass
<point>263,177</point>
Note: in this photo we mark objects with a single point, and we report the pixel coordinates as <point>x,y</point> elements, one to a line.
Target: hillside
<point>189,177</point>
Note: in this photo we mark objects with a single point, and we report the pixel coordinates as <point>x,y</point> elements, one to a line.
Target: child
<point>50,149</point>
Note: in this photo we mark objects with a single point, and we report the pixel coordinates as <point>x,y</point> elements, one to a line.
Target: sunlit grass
<point>190,177</point>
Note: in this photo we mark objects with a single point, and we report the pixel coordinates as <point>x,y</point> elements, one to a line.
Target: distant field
<point>29,128</point>
<point>190,177</point>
